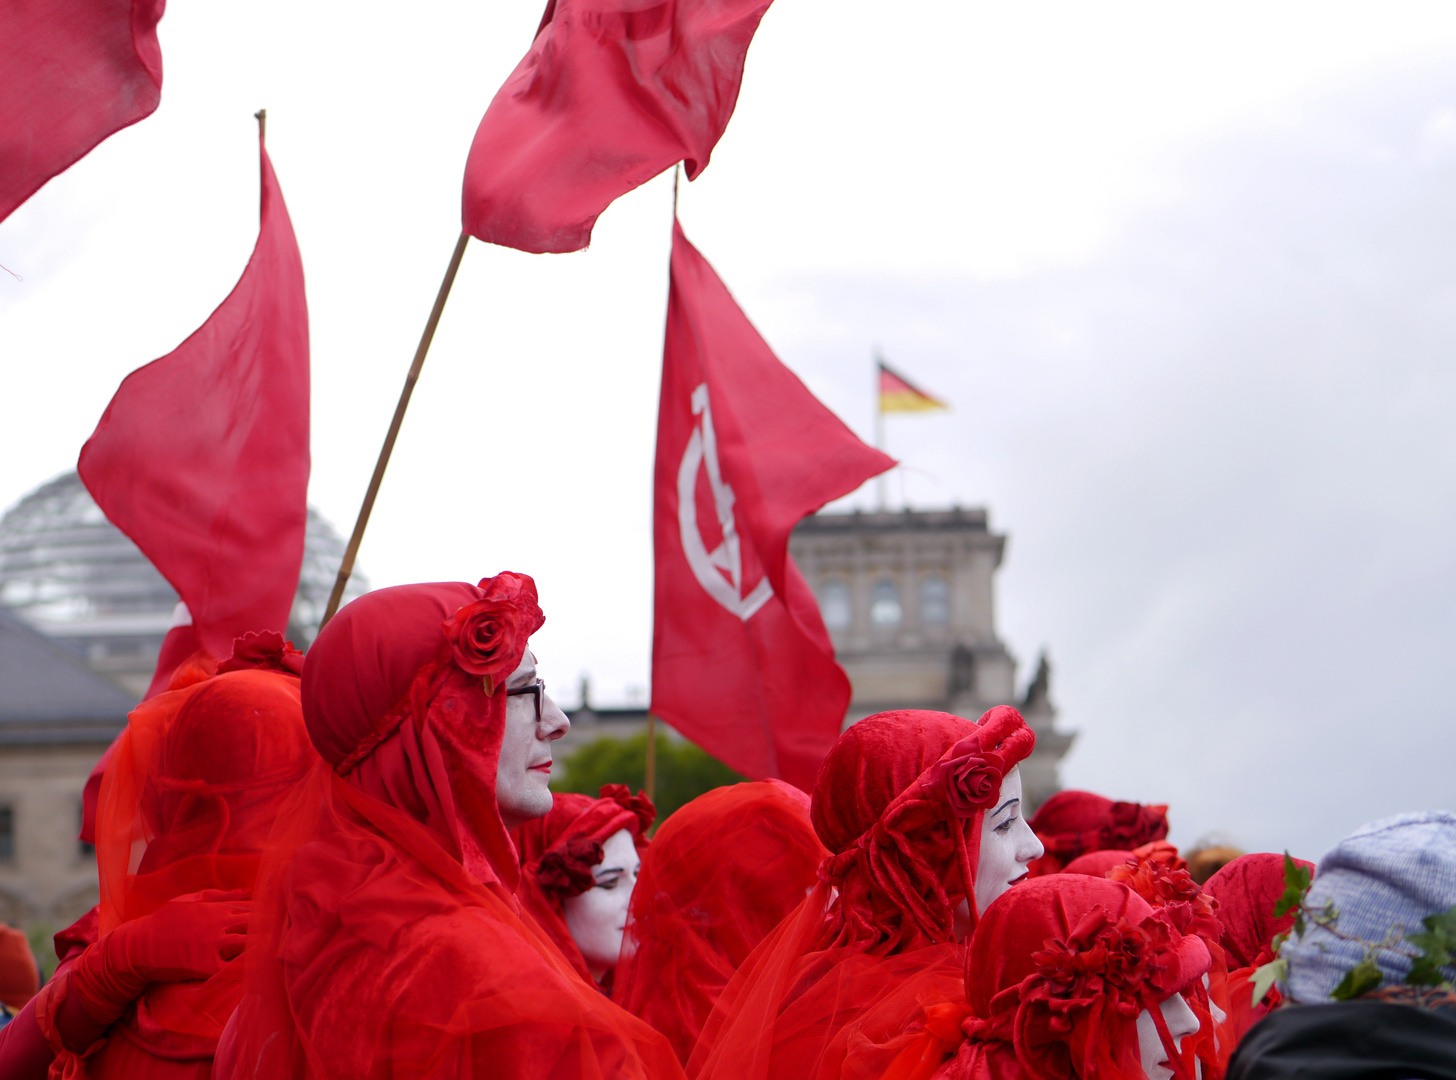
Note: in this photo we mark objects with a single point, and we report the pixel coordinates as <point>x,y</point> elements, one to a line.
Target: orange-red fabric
<point>721,873</point>
<point>1247,890</point>
<point>1073,823</point>
<point>190,794</point>
<point>386,940</point>
<point>1057,973</point>
<point>559,850</point>
<point>19,975</point>
<point>898,803</point>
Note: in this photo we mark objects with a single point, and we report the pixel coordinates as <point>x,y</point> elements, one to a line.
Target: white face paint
<point>1007,844</point>
<point>598,916</point>
<point>523,773</point>
<point>1181,1021</point>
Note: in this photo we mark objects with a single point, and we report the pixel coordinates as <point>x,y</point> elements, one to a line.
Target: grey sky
<point>1186,276</point>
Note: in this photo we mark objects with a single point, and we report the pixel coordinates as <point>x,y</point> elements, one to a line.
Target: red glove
<point>188,938</point>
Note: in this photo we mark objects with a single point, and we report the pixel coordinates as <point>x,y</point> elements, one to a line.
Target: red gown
<point>387,941</point>
<point>898,804</point>
<point>721,873</point>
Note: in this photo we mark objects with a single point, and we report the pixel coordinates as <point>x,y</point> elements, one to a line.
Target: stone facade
<point>909,600</point>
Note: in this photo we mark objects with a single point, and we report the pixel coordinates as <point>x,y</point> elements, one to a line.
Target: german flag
<point>898,394</point>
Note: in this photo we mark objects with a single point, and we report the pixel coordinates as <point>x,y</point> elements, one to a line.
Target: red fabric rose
<point>969,778</point>
<point>567,871</point>
<point>639,804</point>
<point>486,639</point>
<point>263,650</point>
<point>1190,910</point>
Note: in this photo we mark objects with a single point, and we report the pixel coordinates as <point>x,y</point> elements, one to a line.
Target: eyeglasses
<point>537,690</point>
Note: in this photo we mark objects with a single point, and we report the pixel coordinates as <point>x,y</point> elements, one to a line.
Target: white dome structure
<point>76,578</point>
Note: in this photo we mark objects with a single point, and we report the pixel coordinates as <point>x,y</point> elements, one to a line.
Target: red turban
<point>558,852</point>
<point>387,940</point>
<point>899,803</point>
<point>1072,823</point>
<point>1247,890</point>
<point>19,975</point>
<point>721,873</point>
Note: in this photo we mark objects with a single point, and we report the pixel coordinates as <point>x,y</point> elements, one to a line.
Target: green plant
<point>1432,950</point>
<point>684,771</point>
<point>41,935</point>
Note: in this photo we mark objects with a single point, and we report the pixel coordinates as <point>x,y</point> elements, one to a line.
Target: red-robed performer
<point>191,792</point>
<point>921,814</point>
<point>721,873</point>
<point>1073,823</point>
<point>387,940</point>
<point>1068,977</point>
<point>579,866</point>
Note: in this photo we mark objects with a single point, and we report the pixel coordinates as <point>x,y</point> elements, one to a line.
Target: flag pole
<point>649,770</point>
<point>351,552</point>
<point>880,483</point>
<point>262,117</point>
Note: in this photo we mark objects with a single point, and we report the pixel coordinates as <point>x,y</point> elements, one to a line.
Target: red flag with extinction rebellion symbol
<point>741,662</point>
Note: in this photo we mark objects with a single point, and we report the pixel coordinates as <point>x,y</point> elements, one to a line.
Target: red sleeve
<point>24,1052</point>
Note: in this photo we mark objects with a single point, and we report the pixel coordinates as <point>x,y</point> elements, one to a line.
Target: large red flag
<point>611,93</point>
<point>202,456</point>
<point>72,72</point>
<point>741,662</point>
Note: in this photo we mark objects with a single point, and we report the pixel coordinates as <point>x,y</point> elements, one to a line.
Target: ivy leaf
<point>1360,979</point>
<point>1266,975</point>
<point>1436,945</point>
<point>1296,884</point>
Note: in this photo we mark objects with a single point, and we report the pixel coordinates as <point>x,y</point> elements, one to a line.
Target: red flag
<point>611,93</point>
<point>75,72</point>
<point>741,662</point>
<point>202,456</point>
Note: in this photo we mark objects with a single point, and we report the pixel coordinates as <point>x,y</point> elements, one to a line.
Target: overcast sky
<point>1187,274</point>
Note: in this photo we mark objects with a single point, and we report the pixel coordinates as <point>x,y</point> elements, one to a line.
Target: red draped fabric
<point>898,803</point>
<point>1057,973</point>
<point>1073,823</point>
<point>559,850</point>
<point>721,873</point>
<point>386,939</point>
<point>191,792</point>
<point>1247,890</point>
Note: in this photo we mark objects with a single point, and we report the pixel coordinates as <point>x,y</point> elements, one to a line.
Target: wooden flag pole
<point>351,552</point>
<point>262,117</point>
<point>649,779</point>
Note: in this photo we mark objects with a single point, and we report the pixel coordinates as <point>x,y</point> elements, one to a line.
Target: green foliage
<point>1266,975</point>
<point>1296,886</point>
<point>683,770</point>
<point>41,936</point>
<point>1360,979</point>
<point>1436,945</point>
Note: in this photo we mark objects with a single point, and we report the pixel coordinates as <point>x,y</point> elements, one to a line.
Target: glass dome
<point>75,577</point>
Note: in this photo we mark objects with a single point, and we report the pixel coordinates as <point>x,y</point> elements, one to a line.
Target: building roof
<point>953,520</point>
<point>49,695</point>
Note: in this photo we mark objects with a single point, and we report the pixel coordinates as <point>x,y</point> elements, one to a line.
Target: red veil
<point>1247,890</point>
<point>386,940</point>
<point>558,852</point>
<point>720,874</point>
<point>191,791</point>
<point>1058,971</point>
<point>898,803</point>
<point>1073,823</point>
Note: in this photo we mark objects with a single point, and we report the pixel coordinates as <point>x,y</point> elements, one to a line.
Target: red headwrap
<point>1246,890</point>
<point>1058,971</point>
<point>1072,823</point>
<point>19,976</point>
<point>720,874</point>
<point>396,696</point>
<point>558,852</point>
<point>899,803</point>
<point>386,940</point>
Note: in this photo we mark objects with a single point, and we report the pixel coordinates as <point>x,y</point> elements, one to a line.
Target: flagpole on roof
<point>351,552</point>
<point>881,485</point>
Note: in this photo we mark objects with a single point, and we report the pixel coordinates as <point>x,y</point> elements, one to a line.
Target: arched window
<point>934,601</point>
<point>834,604</point>
<point>885,607</point>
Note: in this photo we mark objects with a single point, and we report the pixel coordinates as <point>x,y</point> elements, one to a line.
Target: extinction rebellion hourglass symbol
<point>719,571</point>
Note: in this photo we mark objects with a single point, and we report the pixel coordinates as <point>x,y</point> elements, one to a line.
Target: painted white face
<point>1007,844</point>
<point>1181,1021</point>
<point>598,916</point>
<point>524,772</point>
